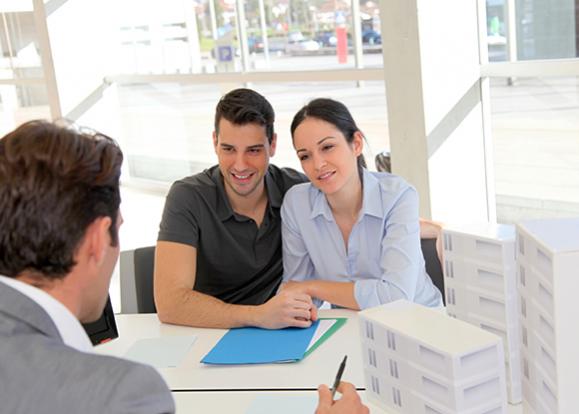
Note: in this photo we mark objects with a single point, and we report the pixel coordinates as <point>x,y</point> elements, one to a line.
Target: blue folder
<point>261,346</point>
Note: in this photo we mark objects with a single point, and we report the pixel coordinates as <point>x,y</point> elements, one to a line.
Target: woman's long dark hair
<point>332,112</point>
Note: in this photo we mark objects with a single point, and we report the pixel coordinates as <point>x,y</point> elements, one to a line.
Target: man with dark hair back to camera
<point>218,258</point>
<point>59,222</point>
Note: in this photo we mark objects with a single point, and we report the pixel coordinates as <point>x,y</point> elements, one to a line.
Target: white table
<point>239,402</point>
<point>318,368</point>
<point>199,388</point>
<point>235,402</point>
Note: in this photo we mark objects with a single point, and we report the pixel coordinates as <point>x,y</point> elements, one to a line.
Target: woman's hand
<point>300,288</point>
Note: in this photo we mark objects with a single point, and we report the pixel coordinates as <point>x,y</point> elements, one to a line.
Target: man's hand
<point>287,309</point>
<point>350,402</point>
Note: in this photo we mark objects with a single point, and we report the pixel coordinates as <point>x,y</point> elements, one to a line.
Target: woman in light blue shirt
<point>351,237</point>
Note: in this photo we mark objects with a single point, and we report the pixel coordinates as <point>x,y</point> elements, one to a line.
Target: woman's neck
<point>347,202</point>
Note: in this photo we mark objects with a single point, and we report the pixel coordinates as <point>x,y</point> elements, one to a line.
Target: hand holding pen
<point>350,402</point>
<point>339,376</point>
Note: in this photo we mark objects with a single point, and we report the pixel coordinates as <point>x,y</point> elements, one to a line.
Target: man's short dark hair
<point>54,182</point>
<point>245,106</point>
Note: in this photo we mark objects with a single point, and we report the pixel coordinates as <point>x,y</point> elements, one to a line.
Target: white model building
<point>418,360</point>
<point>548,282</point>
<point>480,286</point>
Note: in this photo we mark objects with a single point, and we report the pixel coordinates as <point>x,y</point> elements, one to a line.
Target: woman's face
<point>326,157</point>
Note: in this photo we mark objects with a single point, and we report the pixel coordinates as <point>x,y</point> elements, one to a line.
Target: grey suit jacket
<point>40,374</point>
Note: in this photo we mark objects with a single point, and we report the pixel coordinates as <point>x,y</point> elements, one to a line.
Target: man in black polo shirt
<point>218,259</point>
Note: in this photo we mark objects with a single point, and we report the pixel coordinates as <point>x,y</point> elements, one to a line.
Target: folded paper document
<point>164,352</point>
<point>264,346</point>
<point>325,329</point>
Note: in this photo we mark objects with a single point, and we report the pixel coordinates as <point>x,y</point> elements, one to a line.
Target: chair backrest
<point>137,268</point>
<point>433,265</point>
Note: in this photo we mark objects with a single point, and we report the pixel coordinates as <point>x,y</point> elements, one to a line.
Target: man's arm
<point>178,303</point>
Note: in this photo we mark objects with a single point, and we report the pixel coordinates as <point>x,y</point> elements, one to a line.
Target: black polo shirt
<point>237,262</point>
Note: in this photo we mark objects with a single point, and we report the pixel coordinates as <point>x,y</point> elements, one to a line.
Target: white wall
<point>435,105</point>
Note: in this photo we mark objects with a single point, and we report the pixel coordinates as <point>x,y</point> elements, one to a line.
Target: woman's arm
<point>299,269</point>
<point>337,293</point>
<point>297,265</point>
<point>401,261</point>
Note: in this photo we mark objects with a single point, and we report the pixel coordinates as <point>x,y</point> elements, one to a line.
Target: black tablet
<point>103,329</point>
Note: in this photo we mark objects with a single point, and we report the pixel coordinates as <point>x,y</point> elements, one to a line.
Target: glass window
<point>21,103</point>
<point>19,50</point>
<point>497,30</point>
<point>544,30</point>
<point>535,129</point>
<point>26,97</point>
<point>166,128</point>
<point>296,35</point>
<point>157,38</point>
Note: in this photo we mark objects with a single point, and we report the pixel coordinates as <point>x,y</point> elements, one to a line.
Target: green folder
<point>337,325</point>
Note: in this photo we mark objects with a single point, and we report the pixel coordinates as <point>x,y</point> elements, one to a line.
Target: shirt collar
<point>372,196</point>
<point>69,328</point>
<point>224,209</point>
<point>274,195</point>
<point>371,199</point>
<point>320,206</point>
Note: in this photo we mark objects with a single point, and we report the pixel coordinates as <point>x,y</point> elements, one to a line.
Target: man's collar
<point>274,194</point>
<point>224,209</point>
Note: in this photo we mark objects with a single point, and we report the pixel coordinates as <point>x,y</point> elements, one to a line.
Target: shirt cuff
<point>365,293</point>
<point>373,292</point>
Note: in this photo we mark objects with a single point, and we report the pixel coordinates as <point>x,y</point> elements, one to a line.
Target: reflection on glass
<point>300,35</point>
<point>547,30</point>
<point>535,130</point>
<point>19,60</point>
<point>544,29</point>
<point>19,54</point>
<point>21,103</point>
<point>157,37</point>
<point>496,30</point>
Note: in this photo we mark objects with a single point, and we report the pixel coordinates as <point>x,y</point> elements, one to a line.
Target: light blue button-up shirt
<point>383,257</point>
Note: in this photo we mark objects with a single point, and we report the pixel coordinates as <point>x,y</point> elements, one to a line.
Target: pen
<point>339,376</point>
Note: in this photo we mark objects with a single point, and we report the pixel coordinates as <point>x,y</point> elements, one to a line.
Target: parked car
<point>326,38</point>
<point>371,37</point>
<point>295,36</point>
<point>255,44</point>
<point>304,46</point>
<point>276,43</point>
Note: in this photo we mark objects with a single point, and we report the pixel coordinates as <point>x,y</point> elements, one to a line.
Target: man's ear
<point>273,145</point>
<point>98,238</point>
<point>215,141</point>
